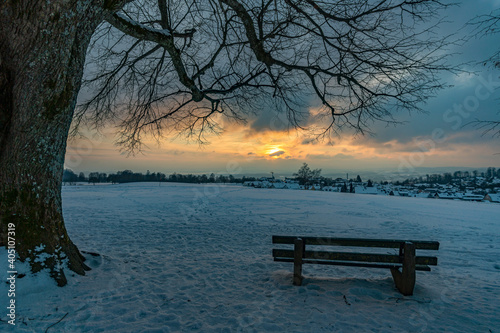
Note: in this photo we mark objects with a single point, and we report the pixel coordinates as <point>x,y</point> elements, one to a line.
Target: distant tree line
<point>128,176</point>
<point>305,176</point>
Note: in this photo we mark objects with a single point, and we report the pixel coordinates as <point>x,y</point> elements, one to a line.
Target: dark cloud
<point>338,156</point>
<point>447,121</point>
<point>269,115</point>
<point>318,157</point>
<point>470,96</point>
<point>175,152</point>
<point>309,141</point>
<point>278,153</point>
<point>343,156</point>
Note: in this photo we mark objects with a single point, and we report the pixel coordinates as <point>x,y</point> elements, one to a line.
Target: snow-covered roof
<point>365,190</point>
<point>472,197</point>
<point>449,195</point>
<point>494,197</point>
<point>278,185</point>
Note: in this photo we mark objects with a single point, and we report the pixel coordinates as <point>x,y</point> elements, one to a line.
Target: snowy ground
<point>198,258</point>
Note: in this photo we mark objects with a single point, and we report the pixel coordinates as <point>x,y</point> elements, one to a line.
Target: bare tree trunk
<point>42,52</point>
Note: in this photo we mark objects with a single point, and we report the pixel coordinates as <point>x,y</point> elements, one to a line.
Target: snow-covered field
<point>178,258</point>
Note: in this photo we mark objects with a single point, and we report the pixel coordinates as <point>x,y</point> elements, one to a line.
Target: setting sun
<point>274,152</point>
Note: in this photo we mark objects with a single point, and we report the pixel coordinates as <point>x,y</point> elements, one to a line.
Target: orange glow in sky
<point>274,152</point>
<point>283,152</point>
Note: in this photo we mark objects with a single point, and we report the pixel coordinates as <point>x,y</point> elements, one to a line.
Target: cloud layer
<point>442,136</point>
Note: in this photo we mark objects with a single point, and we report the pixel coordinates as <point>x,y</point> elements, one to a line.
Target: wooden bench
<point>406,260</point>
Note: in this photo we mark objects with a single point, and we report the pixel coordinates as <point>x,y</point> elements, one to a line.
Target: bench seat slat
<point>353,264</point>
<point>346,256</point>
<point>332,241</point>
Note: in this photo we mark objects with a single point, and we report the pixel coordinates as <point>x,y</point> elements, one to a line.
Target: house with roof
<point>360,189</point>
<point>473,197</point>
<point>422,194</point>
<point>291,186</point>
<point>492,197</point>
<point>331,189</point>
<point>255,183</point>
<point>431,190</point>
<point>448,195</point>
<point>278,185</point>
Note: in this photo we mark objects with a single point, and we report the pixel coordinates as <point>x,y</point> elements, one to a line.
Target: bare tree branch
<point>488,127</point>
<point>179,66</point>
<point>486,25</point>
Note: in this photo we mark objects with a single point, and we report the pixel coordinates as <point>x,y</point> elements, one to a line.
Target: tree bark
<point>42,52</point>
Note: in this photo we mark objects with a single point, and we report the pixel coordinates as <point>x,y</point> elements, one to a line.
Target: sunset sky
<point>436,139</point>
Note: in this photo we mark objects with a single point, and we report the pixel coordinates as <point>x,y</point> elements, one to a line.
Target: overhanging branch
<point>143,32</point>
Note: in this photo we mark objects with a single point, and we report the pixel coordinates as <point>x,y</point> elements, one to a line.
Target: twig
<point>93,254</point>
<point>410,299</point>
<point>315,308</point>
<point>57,322</point>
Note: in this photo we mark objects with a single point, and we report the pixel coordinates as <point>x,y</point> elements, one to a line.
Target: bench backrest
<point>357,242</point>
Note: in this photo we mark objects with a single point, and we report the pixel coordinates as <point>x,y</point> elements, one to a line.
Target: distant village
<point>459,185</point>
<point>466,187</point>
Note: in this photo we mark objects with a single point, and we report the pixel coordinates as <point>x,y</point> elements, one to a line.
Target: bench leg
<point>405,280</point>
<point>298,253</point>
